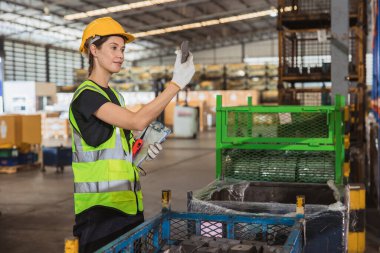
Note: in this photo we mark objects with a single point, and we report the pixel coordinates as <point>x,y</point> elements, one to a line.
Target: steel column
<point>339,47</point>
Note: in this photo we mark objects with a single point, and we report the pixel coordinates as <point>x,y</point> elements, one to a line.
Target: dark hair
<point>98,43</point>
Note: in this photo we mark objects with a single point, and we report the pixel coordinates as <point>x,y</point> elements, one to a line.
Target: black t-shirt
<point>94,132</point>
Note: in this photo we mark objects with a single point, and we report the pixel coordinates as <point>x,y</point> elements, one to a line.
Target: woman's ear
<point>93,50</point>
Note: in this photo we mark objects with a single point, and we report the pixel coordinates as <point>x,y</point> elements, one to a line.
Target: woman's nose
<point>120,54</point>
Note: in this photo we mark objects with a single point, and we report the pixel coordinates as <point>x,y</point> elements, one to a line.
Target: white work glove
<point>153,151</point>
<point>183,72</point>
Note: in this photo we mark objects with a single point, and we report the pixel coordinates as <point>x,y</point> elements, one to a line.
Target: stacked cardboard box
<point>20,135</point>
<point>55,128</point>
<point>16,130</point>
<point>206,102</point>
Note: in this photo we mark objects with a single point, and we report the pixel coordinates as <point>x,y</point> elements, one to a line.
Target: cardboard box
<point>240,98</point>
<point>206,101</point>
<point>31,129</point>
<point>47,90</point>
<point>10,130</point>
<point>56,128</point>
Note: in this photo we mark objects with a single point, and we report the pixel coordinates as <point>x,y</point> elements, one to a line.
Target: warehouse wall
<point>230,54</point>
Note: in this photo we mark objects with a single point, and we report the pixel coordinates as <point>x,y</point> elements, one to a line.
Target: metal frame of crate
<point>255,138</point>
<point>171,228</point>
<point>322,96</point>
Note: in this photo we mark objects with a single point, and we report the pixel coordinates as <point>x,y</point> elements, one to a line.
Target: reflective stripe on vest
<point>116,153</point>
<point>108,186</point>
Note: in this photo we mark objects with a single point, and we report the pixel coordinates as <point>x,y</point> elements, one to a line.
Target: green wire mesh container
<point>279,165</point>
<point>280,143</point>
<point>290,125</point>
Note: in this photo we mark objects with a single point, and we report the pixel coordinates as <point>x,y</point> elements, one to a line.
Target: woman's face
<point>110,56</point>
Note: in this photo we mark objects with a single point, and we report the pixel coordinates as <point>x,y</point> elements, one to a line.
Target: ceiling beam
<point>141,21</point>
<point>210,28</point>
<point>225,10</point>
<point>252,27</point>
<point>265,34</point>
<point>36,18</point>
<point>199,19</point>
<point>156,8</point>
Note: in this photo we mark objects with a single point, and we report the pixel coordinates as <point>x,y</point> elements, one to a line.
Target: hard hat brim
<point>129,38</point>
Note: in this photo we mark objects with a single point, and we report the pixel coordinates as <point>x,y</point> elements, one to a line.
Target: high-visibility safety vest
<point>104,175</point>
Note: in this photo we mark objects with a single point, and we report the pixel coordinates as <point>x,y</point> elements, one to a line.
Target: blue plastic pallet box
<point>172,228</point>
<point>58,157</point>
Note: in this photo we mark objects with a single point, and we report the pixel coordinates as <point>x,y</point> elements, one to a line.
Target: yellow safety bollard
<point>347,141</point>
<point>346,113</point>
<point>72,245</point>
<point>300,205</point>
<point>356,234</point>
<point>346,169</point>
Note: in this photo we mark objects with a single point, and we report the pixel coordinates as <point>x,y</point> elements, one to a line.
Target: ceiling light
<point>46,11</point>
<point>210,22</point>
<point>270,12</point>
<point>155,32</point>
<point>117,8</point>
<point>273,13</point>
<point>97,12</point>
<point>191,26</point>
<point>173,29</point>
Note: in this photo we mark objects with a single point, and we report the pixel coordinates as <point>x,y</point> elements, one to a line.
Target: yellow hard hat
<point>103,27</point>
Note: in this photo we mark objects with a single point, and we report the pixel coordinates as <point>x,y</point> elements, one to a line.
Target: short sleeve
<point>88,102</point>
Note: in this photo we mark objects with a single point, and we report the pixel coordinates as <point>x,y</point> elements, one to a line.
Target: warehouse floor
<point>37,208</point>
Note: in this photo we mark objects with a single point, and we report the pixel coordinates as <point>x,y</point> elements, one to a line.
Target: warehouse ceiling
<point>160,25</point>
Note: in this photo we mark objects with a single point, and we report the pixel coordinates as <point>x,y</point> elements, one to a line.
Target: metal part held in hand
<point>185,51</point>
<point>166,200</point>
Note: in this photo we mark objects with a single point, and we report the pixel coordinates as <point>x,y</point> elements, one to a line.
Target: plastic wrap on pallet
<point>325,223</point>
<point>235,201</point>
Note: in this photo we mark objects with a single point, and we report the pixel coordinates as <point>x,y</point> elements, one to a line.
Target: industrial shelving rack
<point>305,62</point>
<point>304,41</point>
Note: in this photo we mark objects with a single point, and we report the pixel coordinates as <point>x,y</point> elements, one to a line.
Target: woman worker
<point>107,194</point>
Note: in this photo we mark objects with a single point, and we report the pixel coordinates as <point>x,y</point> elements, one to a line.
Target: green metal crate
<point>280,143</point>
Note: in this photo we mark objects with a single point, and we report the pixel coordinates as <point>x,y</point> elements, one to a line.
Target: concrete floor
<point>37,208</point>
